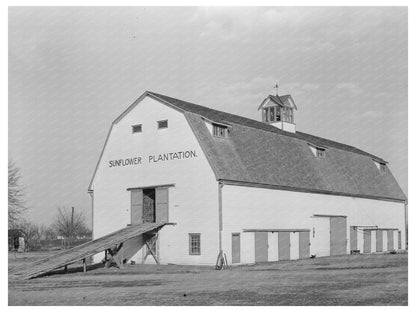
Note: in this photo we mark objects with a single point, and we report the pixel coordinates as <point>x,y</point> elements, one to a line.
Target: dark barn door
<point>367,241</point>
<point>261,246</point>
<point>162,204</point>
<point>149,214</point>
<point>304,245</point>
<point>338,236</point>
<point>379,241</point>
<point>353,238</point>
<point>284,245</point>
<point>390,243</point>
<point>235,246</point>
<point>399,237</point>
<point>136,207</point>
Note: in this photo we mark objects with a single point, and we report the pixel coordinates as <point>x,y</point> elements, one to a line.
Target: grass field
<point>378,279</point>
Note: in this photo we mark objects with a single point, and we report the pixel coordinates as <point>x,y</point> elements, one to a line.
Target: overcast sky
<point>72,71</point>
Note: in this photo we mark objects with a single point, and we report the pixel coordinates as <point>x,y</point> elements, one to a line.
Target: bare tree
<point>70,224</point>
<point>48,232</point>
<point>16,196</point>
<point>32,233</point>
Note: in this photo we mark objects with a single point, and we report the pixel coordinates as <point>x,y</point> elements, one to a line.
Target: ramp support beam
<point>151,248</point>
<point>121,256</point>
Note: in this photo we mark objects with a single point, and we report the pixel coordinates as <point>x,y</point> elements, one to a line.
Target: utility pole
<point>72,227</point>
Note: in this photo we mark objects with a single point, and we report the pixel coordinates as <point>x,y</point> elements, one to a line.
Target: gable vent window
<point>380,166</point>
<point>162,124</point>
<point>136,128</point>
<point>219,131</point>
<point>320,152</point>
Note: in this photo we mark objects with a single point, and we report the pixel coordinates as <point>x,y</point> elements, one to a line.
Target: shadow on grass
<point>90,267</point>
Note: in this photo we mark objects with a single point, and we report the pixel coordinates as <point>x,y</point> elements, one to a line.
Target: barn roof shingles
<point>256,152</point>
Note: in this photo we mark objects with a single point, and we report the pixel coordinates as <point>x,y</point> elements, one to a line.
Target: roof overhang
<point>292,101</point>
<point>276,100</point>
<point>220,123</point>
<point>276,230</point>
<point>150,186</point>
<point>145,94</point>
<point>380,161</point>
<point>317,146</point>
<point>268,99</point>
<point>328,216</point>
<point>306,190</point>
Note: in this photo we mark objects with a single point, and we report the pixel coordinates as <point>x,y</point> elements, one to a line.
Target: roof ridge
<point>204,107</point>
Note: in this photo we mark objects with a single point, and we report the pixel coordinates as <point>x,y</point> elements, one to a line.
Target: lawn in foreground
<point>377,279</point>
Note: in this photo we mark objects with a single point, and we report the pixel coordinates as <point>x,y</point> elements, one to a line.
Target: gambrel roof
<point>258,154</point>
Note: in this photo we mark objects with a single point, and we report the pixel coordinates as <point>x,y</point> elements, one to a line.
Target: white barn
<point>258,191</point>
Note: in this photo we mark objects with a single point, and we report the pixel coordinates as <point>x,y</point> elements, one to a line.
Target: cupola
<point>278,110</point>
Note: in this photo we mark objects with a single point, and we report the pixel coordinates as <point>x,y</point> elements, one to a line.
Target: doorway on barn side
<point>149,205</point>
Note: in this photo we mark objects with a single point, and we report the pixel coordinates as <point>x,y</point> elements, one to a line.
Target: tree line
<point>68,225</point>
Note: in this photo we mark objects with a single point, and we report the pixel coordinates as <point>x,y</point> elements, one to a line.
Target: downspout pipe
<point>406,229</point>
<point>220,223</point>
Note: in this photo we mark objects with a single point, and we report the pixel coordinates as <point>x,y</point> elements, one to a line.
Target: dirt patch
<point>86,284</point>
<point>353,268</point>
<point>346,280</point>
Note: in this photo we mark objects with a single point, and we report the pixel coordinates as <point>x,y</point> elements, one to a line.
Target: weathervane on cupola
<point>276,87</point>
<point>279,111</point>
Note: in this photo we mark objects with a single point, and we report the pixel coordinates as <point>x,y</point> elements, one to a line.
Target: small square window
<point>162,124</point>
<point>219,131</point>
<point>383,167</point>
<point>136,128</point>
<point>320,153</point>
<point>194,243</point>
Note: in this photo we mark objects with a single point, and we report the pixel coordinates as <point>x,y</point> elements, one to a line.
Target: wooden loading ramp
<point>112,241</point>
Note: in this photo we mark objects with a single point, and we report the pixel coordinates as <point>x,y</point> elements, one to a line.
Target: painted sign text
<point>132,161</point>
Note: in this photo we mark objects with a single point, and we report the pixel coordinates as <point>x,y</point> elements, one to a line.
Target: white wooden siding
<point>247,247</point>
<point>373,241</point>
<point>384,240</point>
<point>294,245</point>
<point>259,208</point>
<point>193,201</point>
<point>320,243</point>
<point>360,240</point>
<point>396,240</point>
